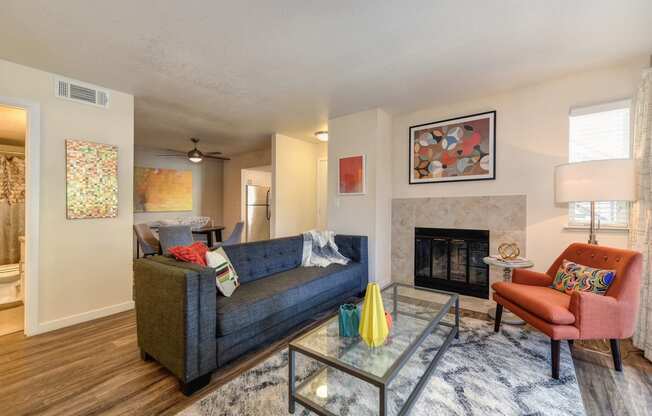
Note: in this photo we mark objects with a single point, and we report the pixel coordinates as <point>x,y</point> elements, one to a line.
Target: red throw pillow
<point>194,253</point>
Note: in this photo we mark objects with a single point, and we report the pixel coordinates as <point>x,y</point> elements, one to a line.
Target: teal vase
<point>349,317</point>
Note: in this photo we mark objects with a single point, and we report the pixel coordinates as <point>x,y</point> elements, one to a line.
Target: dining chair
<point>147,241</point>
<point>236,235</point>
<point>174,235</point>
<point>234,238</point>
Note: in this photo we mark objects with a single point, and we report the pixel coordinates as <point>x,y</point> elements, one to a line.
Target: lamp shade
<point>596,180</point>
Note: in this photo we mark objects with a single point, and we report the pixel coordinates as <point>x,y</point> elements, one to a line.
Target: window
<point>596,133</point>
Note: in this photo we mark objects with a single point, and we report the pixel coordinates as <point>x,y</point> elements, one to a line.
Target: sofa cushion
<point>259,259</point>
<point>547,303</point>
<point>255,301</point>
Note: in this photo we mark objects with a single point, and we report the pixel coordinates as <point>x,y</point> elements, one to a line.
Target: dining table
<point>213,233</point>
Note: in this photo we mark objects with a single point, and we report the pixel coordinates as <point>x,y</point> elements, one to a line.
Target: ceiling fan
<point>195,155</point>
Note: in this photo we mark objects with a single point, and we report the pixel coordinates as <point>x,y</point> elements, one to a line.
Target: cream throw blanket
<point>319,249</point>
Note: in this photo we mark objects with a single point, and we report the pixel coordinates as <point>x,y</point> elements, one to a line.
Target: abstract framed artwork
<point>453,150</point>
<point>351,175</point>
<point>162,190</point>
<point>91,180</point>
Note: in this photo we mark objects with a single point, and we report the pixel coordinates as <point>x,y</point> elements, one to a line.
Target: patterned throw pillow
<point>225,276</point>
<point>572,277</point>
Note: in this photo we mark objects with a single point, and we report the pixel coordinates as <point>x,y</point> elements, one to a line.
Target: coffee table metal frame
<point>381,382</point>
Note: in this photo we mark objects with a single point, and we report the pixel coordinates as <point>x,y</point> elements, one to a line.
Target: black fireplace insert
<point>451,259</point>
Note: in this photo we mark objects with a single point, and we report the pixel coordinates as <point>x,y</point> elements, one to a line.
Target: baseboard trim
<point>81,317</point>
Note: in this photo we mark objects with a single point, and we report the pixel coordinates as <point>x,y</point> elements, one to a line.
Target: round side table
<point>507,317</point>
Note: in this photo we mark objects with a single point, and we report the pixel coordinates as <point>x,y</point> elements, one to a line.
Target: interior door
<point>322,194</point>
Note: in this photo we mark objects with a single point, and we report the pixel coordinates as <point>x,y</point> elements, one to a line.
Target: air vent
<point>81,92</point>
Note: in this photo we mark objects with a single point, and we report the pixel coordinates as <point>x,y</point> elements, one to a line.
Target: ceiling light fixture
<point>195,156</point>
<point>322,136</point>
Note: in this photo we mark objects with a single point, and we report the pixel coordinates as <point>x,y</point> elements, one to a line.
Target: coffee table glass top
<point>416,309</point>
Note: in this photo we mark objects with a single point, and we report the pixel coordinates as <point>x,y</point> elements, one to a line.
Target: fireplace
<point>451,259</point>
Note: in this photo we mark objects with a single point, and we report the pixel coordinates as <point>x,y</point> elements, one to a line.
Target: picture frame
<point>91,180</point>
<point>459,149</point>
<point>351,175</point>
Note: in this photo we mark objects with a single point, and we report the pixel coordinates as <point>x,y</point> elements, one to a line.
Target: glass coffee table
<point>348,369</point>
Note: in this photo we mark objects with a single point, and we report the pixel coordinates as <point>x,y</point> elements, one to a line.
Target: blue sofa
<point>191,329</point>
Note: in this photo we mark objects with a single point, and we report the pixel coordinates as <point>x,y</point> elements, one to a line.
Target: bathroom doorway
<point>13,136</point>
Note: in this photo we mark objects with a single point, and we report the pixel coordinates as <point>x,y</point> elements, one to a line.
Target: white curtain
<point>640,235</point>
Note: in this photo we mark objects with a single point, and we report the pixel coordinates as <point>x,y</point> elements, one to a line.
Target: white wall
<point>85,265</point>
<point>207,183</point>
<point>531,139</point>
<point>232,202</point>
<point>366,133</point>
<point>294,185</point>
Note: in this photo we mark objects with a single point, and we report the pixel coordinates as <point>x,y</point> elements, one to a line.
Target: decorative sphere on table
<point>509,251</point>
<point>373,323</point>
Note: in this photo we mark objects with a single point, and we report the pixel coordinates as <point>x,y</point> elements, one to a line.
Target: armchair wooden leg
<point>499,316</point>
<point>615,353</point>
<point>570,344</point>
<point>554,356</point>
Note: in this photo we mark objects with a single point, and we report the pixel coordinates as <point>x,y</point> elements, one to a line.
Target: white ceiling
<point>233,72</point>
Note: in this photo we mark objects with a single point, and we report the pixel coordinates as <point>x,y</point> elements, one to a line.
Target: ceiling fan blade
<point>216,157</point>
<point>181,155</point>
<point>213,153</point>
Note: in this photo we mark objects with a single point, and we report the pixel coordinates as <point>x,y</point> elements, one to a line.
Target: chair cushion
<point>257,300</point>
<point>544,302</point>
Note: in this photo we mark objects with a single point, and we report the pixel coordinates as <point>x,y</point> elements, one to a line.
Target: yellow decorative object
<point>509,251</point>
<point>373,324</point>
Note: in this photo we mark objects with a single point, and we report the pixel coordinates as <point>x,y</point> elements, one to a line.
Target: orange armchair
<point>581,315</point>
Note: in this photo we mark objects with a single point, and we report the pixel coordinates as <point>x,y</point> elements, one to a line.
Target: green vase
<point>349,319</point>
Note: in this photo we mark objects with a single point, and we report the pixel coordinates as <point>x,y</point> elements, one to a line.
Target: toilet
<point>10,283</point>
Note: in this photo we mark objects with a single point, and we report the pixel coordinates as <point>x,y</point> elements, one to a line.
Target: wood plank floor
<point>94,368</point>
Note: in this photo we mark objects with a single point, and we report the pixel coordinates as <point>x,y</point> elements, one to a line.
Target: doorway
<point>13,135</point>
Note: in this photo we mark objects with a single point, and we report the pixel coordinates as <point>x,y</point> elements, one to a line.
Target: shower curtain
<point>12,207</point>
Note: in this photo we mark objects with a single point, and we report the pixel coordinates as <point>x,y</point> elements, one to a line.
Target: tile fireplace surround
<point>504,216</point>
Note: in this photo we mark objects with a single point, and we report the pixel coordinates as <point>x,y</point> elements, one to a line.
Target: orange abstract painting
<point>162,190</point>
<point>351,175</point>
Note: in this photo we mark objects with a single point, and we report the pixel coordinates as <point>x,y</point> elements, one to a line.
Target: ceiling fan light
<point>322,136</point>
<point>195,156</point>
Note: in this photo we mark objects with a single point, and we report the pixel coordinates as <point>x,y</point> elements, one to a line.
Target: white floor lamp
<point>594,181</point>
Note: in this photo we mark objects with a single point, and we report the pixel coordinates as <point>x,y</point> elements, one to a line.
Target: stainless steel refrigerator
<point>258,213</point>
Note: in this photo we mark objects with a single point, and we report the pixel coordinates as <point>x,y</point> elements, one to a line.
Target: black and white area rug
<point>482,373</point>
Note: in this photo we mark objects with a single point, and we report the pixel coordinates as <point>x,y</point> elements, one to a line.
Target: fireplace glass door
<point>451,259</point>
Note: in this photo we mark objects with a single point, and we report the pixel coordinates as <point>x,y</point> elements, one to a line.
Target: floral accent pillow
<point>573,277</point>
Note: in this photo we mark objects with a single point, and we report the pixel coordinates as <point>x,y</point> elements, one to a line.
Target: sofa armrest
<point>176,318</point>
<point>597,316</point>
<point>531,278</point>
<point>355,247</point>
